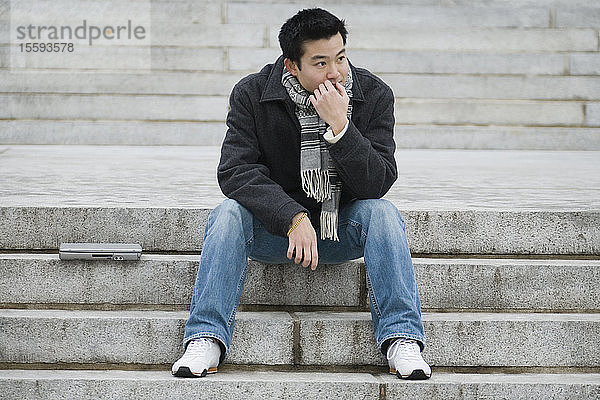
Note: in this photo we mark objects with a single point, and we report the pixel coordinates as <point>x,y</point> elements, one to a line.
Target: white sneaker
<point>405,360</point>
<point>200,358</point>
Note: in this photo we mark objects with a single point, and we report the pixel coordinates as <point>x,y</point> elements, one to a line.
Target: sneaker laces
<point>406,348</point>
<point>199,346</point>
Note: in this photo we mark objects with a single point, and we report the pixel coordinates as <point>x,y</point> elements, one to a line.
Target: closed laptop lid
<point>100,248</point>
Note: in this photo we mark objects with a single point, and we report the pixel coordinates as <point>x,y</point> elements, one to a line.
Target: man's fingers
<point>307,257</point>
<point>341,89</point>
<point>290,251</point>
<point>335,87</point>
<point>315,256</point>
<point>299,255</point>
<point>319,92</point>
<point>325,88</point>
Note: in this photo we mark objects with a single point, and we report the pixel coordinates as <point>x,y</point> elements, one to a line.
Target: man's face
<point>323,59</point>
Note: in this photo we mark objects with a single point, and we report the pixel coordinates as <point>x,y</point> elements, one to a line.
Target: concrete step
<point>258,385</point>
<point>494,87</point>
<point>201,108</point>
<point>113,107</point>
<point>130,59</point>
<point>129,133</point>
<point>511,65</point>
<point>581,17</point>
<point>475,39</point>
<point>592,114</point>
<point>492,112</point>
<point>248,60</point>
<point>415,86</point>
<point>429,232</point>
<point>161,11</point>
<point>585,64</point>
<point>95,82</point>
<point>463,62</point>
<point>432,62</point>
<point>394,15</point>
<point>133,337</point>
<point>197,108</point>
<point>42,280</point>
<point>473,202</point>
<point>488,137</point>
<point>303,338</point>
<point>391,13</point>
<point>147,133</point>
<point>247,24</point>
<point>109,284</point>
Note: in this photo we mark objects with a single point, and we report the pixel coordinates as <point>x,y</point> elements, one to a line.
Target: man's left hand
<point>331,103</point>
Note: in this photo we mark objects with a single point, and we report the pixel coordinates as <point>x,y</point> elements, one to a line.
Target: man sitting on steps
<point>309,146</point>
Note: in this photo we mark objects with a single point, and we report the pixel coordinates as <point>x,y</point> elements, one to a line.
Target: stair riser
<point>160,385</point>
<point>485,341</point>
<point>312,339</point>
<point>170,229</point>
<point>167,281</point>
<point>50,385</point>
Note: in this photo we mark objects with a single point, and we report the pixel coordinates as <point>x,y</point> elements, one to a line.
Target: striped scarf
<point>319,177</point>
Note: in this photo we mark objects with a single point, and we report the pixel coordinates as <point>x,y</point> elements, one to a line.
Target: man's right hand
<point>303,240</point>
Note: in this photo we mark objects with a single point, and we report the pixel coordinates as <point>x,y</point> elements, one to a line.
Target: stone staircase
<point>510,294</point>
<point>497,327</point>
<point>467,74</point>
<point>506,244</point>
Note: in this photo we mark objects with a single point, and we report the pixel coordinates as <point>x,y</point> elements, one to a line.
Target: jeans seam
<point>363,236</point>
<point>242,280</point>
<point>251,239</point>
<point>240,285</point>
<point>372,295</point>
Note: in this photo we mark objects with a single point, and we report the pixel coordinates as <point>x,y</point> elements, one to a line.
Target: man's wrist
<point>296,221</point>
<point>339,126</point>
<point>333,139</point>
<point>295,218</point>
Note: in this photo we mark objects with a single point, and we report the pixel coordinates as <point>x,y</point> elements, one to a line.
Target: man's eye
<point>341,58</point>
<point>321,64</point>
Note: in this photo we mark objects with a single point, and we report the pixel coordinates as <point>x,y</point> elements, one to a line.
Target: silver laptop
<point>100,251</point>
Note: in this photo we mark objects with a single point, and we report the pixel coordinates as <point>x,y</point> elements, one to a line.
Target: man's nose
<point>333,73</point>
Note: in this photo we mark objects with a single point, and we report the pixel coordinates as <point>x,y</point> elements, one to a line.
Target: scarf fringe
<point>329,223</point>
<point>315,183</point>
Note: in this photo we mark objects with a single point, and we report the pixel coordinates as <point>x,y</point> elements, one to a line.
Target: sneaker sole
<point>416,375</point>
<point>184,372</point>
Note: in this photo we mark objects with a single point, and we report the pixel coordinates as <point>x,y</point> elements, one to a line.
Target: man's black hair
<point>308,24</point>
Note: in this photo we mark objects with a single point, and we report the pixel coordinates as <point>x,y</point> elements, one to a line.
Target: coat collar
<point>274,90</point>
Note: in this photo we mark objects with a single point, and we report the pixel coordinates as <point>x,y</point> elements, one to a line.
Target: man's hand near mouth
<point>331,103</point>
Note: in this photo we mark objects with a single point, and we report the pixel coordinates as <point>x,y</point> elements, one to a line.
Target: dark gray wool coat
<point>260,156</point>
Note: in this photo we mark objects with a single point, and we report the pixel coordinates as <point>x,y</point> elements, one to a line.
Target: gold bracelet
<point>297,223</point>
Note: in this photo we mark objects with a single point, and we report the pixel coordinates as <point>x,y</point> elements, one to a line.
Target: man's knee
<point>381,207</point>
<point>381,211</point>
<point>229,212</point>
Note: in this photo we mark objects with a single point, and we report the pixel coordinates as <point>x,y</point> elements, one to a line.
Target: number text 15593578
<point>46,47</point>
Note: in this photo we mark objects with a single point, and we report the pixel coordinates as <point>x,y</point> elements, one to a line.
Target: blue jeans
<point>373,229</point>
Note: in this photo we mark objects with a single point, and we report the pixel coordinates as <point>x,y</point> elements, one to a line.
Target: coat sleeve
<point>241,176</point>
<point>365,159</point>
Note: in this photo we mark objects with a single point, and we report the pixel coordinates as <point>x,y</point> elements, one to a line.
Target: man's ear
<point>290,66</point>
